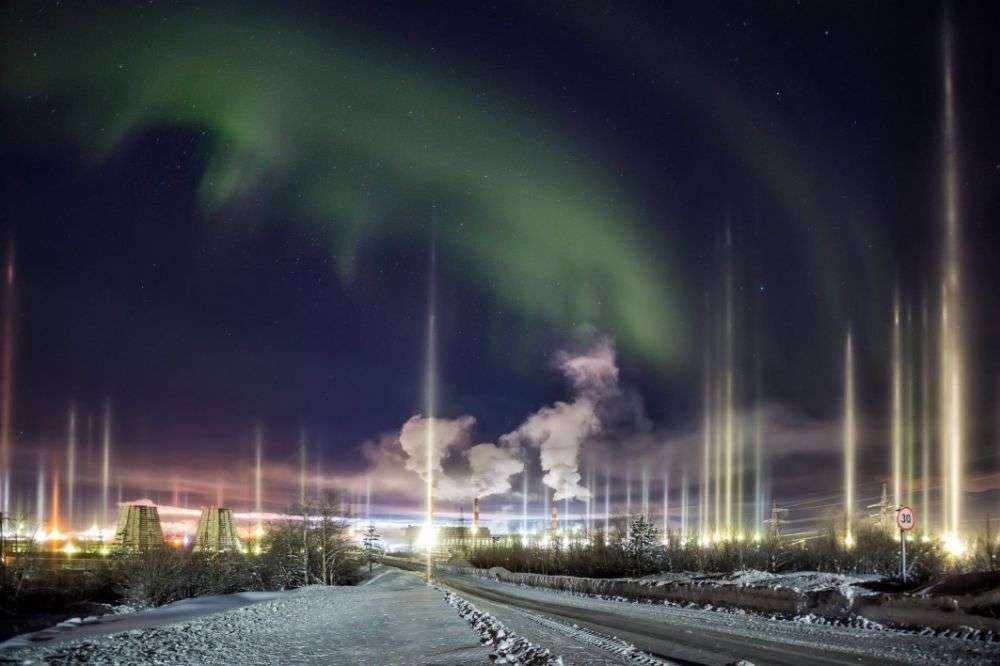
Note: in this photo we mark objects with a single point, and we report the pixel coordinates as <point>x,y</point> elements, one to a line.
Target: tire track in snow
<point>612,644</point>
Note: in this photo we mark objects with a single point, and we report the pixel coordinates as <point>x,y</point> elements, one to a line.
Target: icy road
<point>585,630</point>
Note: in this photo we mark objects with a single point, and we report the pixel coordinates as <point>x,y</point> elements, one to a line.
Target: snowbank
<point>789,594</point>
<point>508,648</point>
<point>842,598</point>
<point>178,611</point>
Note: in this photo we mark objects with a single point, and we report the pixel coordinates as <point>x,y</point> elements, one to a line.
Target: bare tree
<point>338,558</point>
<point>371,550</point>
<point>18,566</point>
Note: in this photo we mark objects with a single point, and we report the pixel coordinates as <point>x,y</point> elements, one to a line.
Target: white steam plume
<point>559,431</point>
<point>484,469</point>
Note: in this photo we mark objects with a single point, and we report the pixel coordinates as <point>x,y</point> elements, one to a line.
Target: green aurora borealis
<point>368,143</point>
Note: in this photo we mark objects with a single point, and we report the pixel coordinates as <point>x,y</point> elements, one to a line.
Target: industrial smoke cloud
<point>461,469</point>
<point>487,469</point>
<point>559,431</point>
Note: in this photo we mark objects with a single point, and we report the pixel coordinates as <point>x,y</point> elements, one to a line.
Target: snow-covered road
<point>568,624</point>
<point>395,619</point>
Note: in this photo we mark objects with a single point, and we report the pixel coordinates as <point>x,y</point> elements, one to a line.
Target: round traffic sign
<point>905,520</point>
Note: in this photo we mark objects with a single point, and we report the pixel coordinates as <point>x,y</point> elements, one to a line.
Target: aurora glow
<point>365,142</point>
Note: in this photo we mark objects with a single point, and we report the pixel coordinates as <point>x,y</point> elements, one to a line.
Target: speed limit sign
<point>905,520</point>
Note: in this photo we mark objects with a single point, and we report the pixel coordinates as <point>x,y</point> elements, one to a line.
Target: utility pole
<point>886,510</point>
<point>775,521</point>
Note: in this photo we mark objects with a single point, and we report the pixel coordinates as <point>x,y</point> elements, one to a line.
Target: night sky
<point>223,217</point>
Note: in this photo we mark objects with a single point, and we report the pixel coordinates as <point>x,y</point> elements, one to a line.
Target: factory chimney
<point>555,519</point>
<point>475,516</point>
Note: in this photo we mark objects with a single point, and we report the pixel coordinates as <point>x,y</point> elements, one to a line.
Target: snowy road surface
<point>698,636</point>
<point>395,619</point>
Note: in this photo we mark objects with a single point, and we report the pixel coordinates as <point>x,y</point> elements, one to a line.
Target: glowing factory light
<point>953,545</point>
<point>427,538</point>
<point>54,535</point>
<point>70,548</point>
<point>96,533</point>
<point>849,542</point>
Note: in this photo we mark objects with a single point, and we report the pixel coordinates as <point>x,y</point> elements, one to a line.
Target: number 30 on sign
<point>905,520</point>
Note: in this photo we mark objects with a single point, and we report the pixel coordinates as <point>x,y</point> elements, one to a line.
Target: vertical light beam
<point>105,462</point>
<point>368,498</point>
<point>684,507</point>
<point>850,441</point>
<point>628,494</point>
<point>951,400</point>
<point>258,479</point>
<point>908,410</point>
<point>758,461</point>
<point>54,520</point>
<point>706,463</point>
<point>728,424</point>
<point>430,399</point>
<point>897,407</point>
<point>607,504</point>
<point>645,491</point>
<point>666,506</point>
<point>925,419</point>
<point>524,504</point>
<point>40,494</point>
<point>7,377</point>
<point>303,476</point>
<point>71,466</point>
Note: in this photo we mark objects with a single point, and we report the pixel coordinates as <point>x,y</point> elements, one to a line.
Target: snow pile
<point>808,581</point>
<point>507,648</point>
<point>800,582</point>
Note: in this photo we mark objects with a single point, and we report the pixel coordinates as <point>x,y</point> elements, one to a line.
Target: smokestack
<point>555,518</point>
<point>475,516</point>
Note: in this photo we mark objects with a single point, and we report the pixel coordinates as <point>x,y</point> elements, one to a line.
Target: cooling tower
<point>138,527</point>
<point>216,530</point>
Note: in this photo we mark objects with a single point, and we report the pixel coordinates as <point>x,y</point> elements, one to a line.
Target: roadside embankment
<point>958,603</point>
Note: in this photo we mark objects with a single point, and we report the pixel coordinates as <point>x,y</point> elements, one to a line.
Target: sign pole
<point>905,521</point>
<point>902,541</point>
